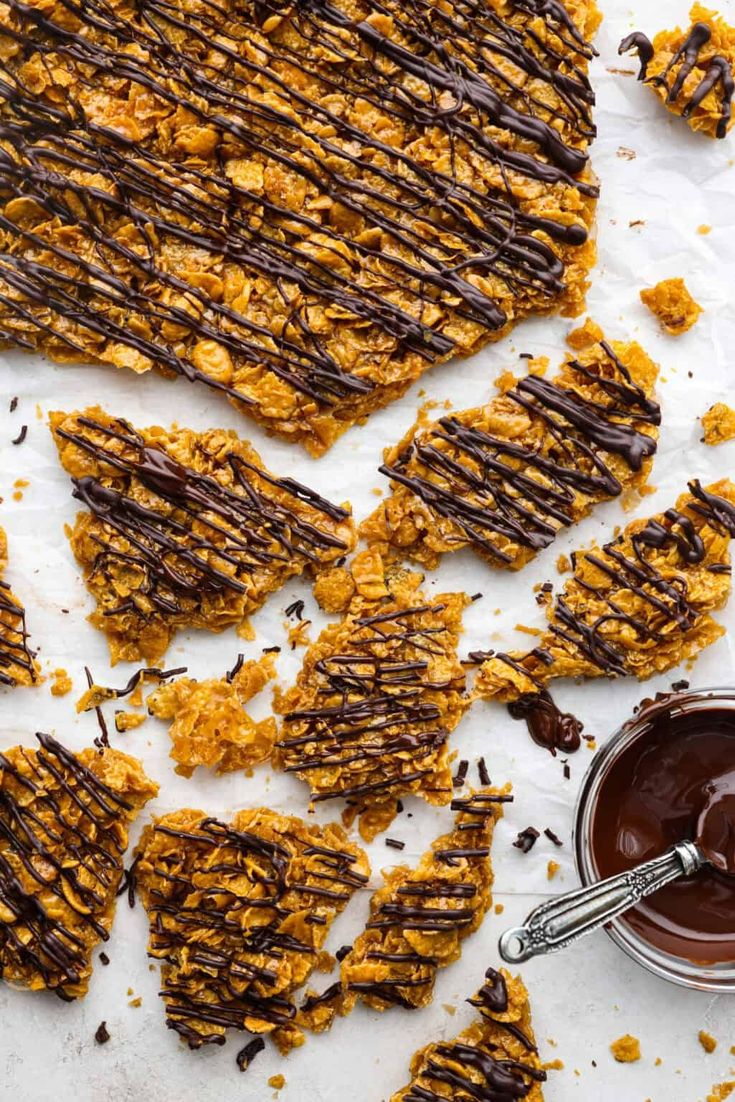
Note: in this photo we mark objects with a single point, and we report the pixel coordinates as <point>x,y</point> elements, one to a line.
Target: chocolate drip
<point>491,487</point>
<point>718,71</point>
<point>547,725</point>
<point>15,653</point>
<point>643,47</point>
<point>223,956</point>
<point>37,835</point>
<point>373,708</point>
<point>490,234</point>
<point>215,536</point>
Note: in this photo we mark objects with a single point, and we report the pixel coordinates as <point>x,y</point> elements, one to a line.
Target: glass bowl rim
<point>718,978</point>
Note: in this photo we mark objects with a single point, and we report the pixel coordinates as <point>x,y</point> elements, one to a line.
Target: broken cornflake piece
<point>284,249</point>
<point>420,917</point>
<point>718,424</point>
<point>238,915</point>
<point>627,1049</point>
<point>185,529</point>
<point>97,695</point>
<point>526,839</point>
<point>672,304</point>
<point>209,724</point>
<point>691,72</point>
<point>369,717</point>
<point>506,477</point>
<point>17,660</point>
<point>639,605</point>
<point>494,1058</point>
<point>64,822</point>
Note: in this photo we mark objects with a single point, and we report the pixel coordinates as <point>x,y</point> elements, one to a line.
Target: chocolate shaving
<point>296,608</point>
<point>526,839</point>
<point>104,959</point>
<point>101,1034</point>
<point>553,837</point>
<point>394,843</point>
<point>129,882</point>
<point>483,773</point>
<point>247,1054</point>
<point>21,435</point>
<point>461,774</point>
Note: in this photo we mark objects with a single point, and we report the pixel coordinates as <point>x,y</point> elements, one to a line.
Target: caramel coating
<point>718,424</point>
<point>185,529</point>
<point>17,661</point>
<point>494,1058</point>
<point>239,914</point>
<point>505,477</point>
<point>637,606</point>
<point>378,694</point>
<point>671,302</point>
<point>64,822</point>
<point>301,206</point>
<point>210,726</point>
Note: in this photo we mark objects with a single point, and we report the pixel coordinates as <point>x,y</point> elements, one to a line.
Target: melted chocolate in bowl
<point>674,781</point>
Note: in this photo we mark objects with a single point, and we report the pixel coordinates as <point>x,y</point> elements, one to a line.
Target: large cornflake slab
<point>17,660</point>
<point>185,529</point>
<point>301,205</point>
<point>209,724</point>
<point>64,822</point>
<point>239,914</point>
<point>504,478</point>
<point>419,918</point>
<point>691,71</point>
<point>637,606</point>
<point>494,1060</point>
<point>369,717</point>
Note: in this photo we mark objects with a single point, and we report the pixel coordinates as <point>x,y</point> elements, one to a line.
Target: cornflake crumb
<point>627,1049</point>
<point>721,1091</point>
<point>449,1009</point>
<point>62,683</point>
<point>277,1082</point>
<point>563,564</point>
<point>552,869</point>
<point>128,721</point>
<point>499,908</point>
<point>718,424</point>
<point>671,302</point>
<point>704,229</point>
<point>553,1065</point>
<point>136,1002</point>
<point>707,1041</point>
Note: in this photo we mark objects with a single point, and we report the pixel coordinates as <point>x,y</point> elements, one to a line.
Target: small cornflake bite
<point>494,1058</point>
<point>691,71</point>
<point>637,606</point>
<point>707,1041</point>
<point>210,726</point>
<point>627,1049</point>
<point>672,304</point>
<point>185,529</point>
<point>17,660</point>
<point>506,477</point>
<point>332,198</point>
<point>64,822</point>
<point>718,424</point>
<point>420,917</point>
<point>61,684</point>
<point>369,717</point>
<point>239,913</point>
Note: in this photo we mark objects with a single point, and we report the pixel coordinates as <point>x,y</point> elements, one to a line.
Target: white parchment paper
<point>660,184</point>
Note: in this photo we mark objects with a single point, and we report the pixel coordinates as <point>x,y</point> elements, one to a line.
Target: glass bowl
<point>718,977</point>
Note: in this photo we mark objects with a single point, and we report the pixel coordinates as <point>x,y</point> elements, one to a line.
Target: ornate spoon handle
<point>561,920</point>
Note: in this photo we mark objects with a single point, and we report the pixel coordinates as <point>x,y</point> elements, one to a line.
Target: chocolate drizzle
<point>430,900</point>
<point>224,906</point>
<point>718,70</point>
<point>474,1065</point>
<point>498,490</point>
<point>56,862</point>
<point>15,653</point>
<point>197,535</point>
<point>245,89</point>
<point>376,724</point>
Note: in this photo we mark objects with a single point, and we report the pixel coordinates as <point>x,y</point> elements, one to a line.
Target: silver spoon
<point>562,920</point>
